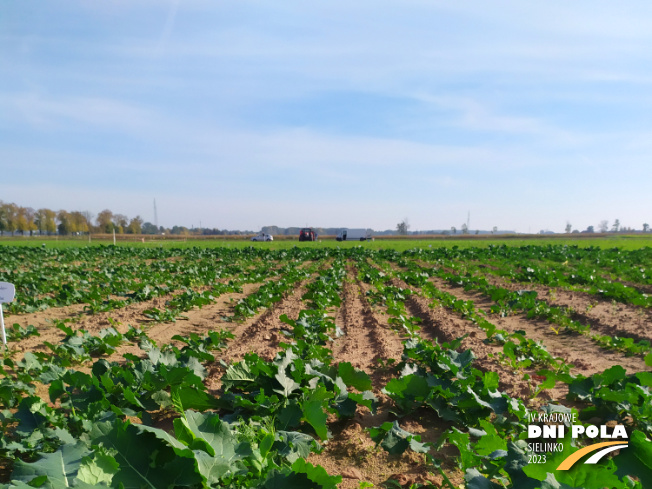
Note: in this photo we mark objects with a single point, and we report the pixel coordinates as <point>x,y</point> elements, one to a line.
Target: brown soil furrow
<point>605,313</point>
<point>607,317</point>
<point>201,320</point>
<point>366,340</point>
<point>351,452</point>
<point>42,321</point>
<point>579,350</point>
<point>262,333</point>
<point>93,323</point>
<point>442,325</point>
<point>643,288</point>
<point>123,318</point>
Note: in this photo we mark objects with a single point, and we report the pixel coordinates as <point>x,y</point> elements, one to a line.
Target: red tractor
<point>308,234</point>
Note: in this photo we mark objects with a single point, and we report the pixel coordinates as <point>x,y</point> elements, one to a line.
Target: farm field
<point>383,364</point>
<point>621,241</point>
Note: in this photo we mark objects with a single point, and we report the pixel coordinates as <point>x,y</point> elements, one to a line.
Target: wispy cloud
<point>40,111</point>
<point>169,25</point>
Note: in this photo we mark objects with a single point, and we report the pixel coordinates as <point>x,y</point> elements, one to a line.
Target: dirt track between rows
<point>606,316</point>
<point>368,343</point>
<point>579,350</point>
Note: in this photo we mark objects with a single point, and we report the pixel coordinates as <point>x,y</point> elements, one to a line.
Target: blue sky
<point>242,114</point>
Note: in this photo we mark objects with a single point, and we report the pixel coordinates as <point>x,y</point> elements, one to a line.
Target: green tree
<point>79,222</point>
<point>88,217</point>
<point>30,215</point>
<point>22,220</point>
<point>4,224</point>
<point>45,221</point>
<point>135,225</point>
<point>11,217</point>
<point>64,226</point>
<point>120,222</point>
<point>403,227</point>
<point>104,221</point>
<point>25,220</point>
<point>3,217</point>
<point>148,228</point>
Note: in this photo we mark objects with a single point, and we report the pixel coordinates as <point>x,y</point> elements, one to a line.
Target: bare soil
<point>587,356</point>
<point>132,315</point>
<point>605,316</point>
<point>443,325</point>
<point>368,341</point>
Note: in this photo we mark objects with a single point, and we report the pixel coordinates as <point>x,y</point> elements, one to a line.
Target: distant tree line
<point>15,219</point>
<point>25,221</point>
<point>603,227</point>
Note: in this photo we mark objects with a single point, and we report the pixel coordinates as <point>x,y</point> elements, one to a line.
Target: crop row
<point>507,302</point>
<point>582,270</point>
<point>106,278</point>
<point>580,277</point>
<point>251,435</point>
<point>489,427</point>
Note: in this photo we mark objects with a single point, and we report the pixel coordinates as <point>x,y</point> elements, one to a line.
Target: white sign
<point>7,292</point>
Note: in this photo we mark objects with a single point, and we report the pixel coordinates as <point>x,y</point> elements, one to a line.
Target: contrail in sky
<point>169,25</point>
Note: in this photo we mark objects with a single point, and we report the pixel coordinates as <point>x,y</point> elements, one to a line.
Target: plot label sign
<point>7,292</point>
